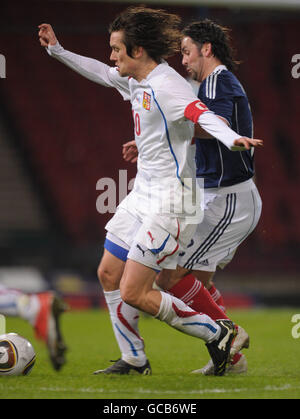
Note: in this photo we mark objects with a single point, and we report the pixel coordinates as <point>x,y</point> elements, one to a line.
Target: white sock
<point>28,306</point>
<point>15,303</point>
<point>180,316</point>
<point>124,319</point>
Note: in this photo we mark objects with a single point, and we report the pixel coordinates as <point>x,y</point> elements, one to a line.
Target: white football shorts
<point>230,215</point>
<point>154,241</point>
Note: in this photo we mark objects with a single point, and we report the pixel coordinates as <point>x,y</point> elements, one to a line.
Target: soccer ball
<point>17,355</point>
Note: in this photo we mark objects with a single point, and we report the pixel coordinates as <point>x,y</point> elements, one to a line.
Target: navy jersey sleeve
<point>220,94</point>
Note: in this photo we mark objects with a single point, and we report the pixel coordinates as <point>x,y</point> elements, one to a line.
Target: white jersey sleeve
<point>219,129</point>
<point>178,102</point>
<point>173,94</point>
<point>92,69</point>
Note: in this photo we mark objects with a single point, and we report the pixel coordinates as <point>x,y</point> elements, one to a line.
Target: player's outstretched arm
<point>218,129</point>
<point>243,143</point>
<point>201,133</point>
<point>90,68</point>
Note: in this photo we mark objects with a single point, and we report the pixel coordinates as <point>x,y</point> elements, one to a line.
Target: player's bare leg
<point>47,327</point>
<point>110,271</point>
<point>124,320</point>
<point>42,311</point>
<point>137,290</point>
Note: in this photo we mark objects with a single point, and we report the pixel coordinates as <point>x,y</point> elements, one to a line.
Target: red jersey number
<point>137,123</point>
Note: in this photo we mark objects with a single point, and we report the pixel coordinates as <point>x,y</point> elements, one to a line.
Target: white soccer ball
<point>17,356</point>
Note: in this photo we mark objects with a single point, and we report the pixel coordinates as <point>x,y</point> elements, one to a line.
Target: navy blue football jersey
<point>223,94</point>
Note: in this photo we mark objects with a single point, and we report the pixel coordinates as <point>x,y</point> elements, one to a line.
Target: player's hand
<point>130,152</point>
<point>46,35</point>
<point>247,143</point>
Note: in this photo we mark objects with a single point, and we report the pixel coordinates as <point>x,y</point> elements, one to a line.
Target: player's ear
<point>137,52</point>
<point>207,49</point>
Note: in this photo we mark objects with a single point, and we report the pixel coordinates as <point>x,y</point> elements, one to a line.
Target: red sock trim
<point>195,295</point>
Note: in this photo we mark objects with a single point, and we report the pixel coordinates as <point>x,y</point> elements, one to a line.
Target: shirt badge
<point>146,101</point>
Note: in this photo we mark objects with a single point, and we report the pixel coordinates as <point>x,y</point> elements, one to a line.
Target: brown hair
<point>218,36</point>
<point>155,30</point>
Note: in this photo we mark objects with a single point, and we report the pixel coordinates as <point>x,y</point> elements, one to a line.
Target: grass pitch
<point>273,361</point>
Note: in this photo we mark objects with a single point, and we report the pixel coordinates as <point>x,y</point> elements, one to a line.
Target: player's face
<point>192,58</point>
<point>124,63</point>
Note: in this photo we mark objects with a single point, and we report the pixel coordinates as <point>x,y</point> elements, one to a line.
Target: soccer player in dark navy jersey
<point>222,93</point>
<point>232,202</point>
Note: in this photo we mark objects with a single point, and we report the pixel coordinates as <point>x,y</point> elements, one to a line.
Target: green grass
<point>273,360</point>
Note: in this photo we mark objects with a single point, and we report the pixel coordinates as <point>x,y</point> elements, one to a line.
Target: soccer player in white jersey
<point>165,109</point>
<point>42,311</point>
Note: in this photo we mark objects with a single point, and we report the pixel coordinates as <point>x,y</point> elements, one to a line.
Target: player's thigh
<point>257,205</point>
<point>228,220</point>
<point>110,271</point>
<point>121,230</point>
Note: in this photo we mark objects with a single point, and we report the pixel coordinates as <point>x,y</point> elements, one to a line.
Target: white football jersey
<point>164,109</point>
<point>163,135</point>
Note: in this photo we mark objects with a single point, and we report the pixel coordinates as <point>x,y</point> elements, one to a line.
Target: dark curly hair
<point>205,31</point>
<point>157,31</point>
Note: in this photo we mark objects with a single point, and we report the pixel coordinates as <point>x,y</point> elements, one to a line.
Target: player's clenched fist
<point>46,35</point>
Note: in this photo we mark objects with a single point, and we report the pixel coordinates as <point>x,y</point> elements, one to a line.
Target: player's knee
<point>167,278</point>
<point>207,283</point>
<point>107,279</point>
<point>205,277</point>
<point>103,275</point>
<point>129,296</point>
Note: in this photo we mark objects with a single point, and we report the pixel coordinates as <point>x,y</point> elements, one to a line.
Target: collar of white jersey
<point>157,70</point>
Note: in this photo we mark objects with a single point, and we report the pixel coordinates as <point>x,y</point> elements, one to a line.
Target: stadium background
<point>60,134</point>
